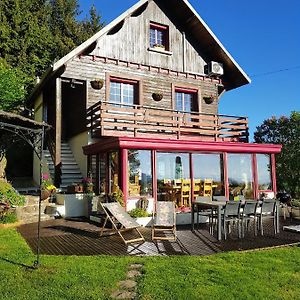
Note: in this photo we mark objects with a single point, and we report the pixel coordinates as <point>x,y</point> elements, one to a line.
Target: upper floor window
<point>123,91</point>
<point>186,100</point>
<point>159,36</point>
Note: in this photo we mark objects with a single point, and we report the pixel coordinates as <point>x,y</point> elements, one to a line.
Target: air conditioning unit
<point>215,69</point>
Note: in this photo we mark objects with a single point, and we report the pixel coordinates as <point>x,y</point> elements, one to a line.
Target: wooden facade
<point>123,53</point>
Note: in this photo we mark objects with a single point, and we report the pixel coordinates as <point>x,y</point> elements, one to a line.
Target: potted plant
<point>47,188</point>
<point>157,96</point>
<point>88,186</point>
<point>97,84</point>
<point>209,99</point>
<point>295,208</point>
<point>159,46</point>
<point>141,216</point>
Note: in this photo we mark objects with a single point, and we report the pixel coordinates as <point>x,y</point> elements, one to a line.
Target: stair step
<point>70,170</point>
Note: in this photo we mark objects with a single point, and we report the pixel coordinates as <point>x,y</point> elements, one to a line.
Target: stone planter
<point>144,221</point>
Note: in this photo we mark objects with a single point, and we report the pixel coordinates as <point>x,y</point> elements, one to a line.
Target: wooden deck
<point>76,237</point>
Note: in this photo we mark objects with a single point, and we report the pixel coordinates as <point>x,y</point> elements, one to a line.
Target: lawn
<point>268,274</point>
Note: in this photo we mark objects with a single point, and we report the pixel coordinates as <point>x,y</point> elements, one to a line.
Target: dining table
<point>219,206</point>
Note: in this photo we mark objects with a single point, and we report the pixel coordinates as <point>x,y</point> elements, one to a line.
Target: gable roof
<point>211,48</point>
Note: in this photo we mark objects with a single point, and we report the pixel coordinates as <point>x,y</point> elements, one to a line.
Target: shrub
<point>7,218</point>
<point>295,202</point>
<point>138,213</point>
<point>9,195</point>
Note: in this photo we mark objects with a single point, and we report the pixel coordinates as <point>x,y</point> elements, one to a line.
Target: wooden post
<point>225,170</point>
<point>255,177</point>
<point>58,104</point>
<point>273,168</point>
<point>124,174</point>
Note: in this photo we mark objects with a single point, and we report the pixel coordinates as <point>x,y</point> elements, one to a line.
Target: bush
<point>8,217</point>
<point>295,202</point>
<point>9,195</point>
<point>138,213</point>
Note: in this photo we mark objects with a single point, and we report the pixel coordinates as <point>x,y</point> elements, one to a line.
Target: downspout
<point>183,52</point>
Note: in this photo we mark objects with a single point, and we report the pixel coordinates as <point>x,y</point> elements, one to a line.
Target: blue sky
<point>262,36</point>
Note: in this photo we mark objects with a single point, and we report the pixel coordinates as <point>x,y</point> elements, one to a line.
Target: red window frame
<point>164,29</point>
<point>133,82</point>
<point>193,92</point>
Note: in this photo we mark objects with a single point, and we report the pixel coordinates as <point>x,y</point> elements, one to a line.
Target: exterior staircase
<point>70,170</point>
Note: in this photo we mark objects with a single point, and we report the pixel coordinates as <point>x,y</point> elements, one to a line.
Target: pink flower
<point>45,176</point>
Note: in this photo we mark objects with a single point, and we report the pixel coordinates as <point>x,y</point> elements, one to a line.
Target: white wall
<point>76,143</point>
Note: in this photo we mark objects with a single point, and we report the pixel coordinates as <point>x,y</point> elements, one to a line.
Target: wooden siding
<point>131,43</point>
<point>85,68</point>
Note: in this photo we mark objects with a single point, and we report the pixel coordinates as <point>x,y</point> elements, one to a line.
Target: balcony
<point>106,119</point>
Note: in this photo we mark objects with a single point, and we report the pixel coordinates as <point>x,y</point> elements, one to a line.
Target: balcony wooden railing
<point>106,119</point>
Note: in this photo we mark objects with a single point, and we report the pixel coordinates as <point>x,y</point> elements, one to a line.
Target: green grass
<point>268,274</point>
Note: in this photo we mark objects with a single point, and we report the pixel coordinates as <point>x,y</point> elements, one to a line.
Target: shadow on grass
<point>26,267</point>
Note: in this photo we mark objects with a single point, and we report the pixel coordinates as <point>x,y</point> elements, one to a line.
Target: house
<point>137,104</point>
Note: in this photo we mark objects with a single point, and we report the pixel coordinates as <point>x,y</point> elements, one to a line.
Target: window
<point>159,36</point>
<point>240,176</point>
<point>209,166</point>
<point>172,169</point>
<point>113,170</point>
<point>264,172</point>
<point>140,173</point>
<point>185,100</point>
<point>123,91</point>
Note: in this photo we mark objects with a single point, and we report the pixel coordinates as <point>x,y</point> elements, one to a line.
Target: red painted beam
<point>179,145</point>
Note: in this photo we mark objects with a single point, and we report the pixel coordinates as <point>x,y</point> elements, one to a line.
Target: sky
<point>263,36</point>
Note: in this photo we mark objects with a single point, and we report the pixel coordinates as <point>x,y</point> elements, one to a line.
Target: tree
<point>284,131</point>
<point>34,33</point>
<point>12,90</point>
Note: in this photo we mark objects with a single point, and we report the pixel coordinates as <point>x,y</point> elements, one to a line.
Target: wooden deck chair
<point>164,221</point>
<point>121,221</point>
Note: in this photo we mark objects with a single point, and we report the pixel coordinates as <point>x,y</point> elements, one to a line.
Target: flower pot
<point>97,84</point>
<point>209,99</point>
<point>157,96</point>
<point>45,194</point>
<point>159,47</point>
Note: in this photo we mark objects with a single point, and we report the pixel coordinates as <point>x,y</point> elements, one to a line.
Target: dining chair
<point>249,213</point>
<point>267,212</point>
<point>185,192</point>
<point>197,188</point>
<point>207,187</point>
<point>220,198</point>
<point>204,212</point>
<point>231,214</point>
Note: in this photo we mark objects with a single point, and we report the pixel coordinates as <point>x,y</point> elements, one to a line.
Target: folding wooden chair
<point>164,221</point>
<point>121,221</point>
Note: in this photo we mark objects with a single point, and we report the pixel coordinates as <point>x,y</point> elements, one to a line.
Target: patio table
<point>219,205</point>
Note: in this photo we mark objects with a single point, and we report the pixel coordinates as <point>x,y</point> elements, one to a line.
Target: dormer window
<point>159,36</point>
